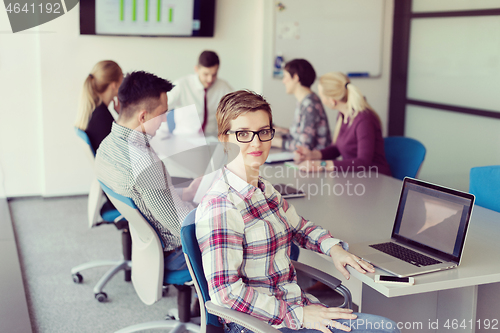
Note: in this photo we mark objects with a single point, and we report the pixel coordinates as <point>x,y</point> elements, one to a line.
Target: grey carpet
<point>52,237</point>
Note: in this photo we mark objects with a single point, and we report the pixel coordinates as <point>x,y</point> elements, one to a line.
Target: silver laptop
<point>429,231</point>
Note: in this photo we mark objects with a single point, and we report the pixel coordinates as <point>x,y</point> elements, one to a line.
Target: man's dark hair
<point>303,69</point>
<point>141,90</point>
<point>208,59</point>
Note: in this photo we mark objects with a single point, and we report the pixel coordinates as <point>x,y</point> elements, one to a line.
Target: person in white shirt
<point>199,94</point>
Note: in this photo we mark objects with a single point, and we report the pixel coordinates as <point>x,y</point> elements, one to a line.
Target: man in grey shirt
<point>126,163</point>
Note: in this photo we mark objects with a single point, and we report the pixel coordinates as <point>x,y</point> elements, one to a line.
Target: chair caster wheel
<point>101,297</point>
<point>169,317</point>
<point>77,278</point>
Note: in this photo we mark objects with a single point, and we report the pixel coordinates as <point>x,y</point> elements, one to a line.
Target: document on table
<point>280,157</point>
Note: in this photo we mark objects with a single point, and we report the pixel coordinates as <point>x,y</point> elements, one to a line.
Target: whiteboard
<point>333,35</point>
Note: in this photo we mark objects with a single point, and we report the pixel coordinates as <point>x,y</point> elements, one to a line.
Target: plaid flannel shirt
<point>245,234</point>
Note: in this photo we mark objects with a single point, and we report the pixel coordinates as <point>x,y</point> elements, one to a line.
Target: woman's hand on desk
<point>303,153</point>
<point>341,258</point>
<point>318,317</point>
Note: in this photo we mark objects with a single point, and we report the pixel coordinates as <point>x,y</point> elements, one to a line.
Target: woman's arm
<point>330,153</point>
<point>220,230</point>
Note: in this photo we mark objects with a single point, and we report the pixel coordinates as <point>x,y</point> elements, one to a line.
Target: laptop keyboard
<point>405,254</point>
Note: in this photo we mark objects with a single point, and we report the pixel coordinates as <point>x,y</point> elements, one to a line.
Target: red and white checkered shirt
<point>245,234</point>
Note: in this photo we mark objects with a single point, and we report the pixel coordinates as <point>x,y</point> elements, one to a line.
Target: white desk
<point>358,209</point>
<point>178,152</point>
<point>470,292</point>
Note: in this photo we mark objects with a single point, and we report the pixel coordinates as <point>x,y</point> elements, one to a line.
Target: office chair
<point>404,155</point>
<point>148,275</point>
<point>171,121</point>
<point>210,311</point>
<point>99,214</point>
<point>484,183</point>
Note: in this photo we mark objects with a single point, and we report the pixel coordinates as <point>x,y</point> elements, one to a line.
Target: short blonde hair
<point>234,104</point>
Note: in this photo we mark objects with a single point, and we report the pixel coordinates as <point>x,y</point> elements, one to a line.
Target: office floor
<point>52,237</point>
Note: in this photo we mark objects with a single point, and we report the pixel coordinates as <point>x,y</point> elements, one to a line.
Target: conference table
<point>361,207</point>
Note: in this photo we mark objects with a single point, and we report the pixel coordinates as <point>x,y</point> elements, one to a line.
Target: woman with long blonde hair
<point>358,133</point>
<point>99,89</point>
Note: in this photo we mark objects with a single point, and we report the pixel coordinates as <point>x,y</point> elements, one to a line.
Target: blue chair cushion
<point>110,215</point>
<point>177,277</point>
<point>485,185</point>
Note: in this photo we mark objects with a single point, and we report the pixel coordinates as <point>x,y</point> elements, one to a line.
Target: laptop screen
<point>434,217</point>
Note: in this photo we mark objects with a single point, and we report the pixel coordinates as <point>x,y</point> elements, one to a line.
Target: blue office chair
<point>99,213</point>
<point>171,121</point>
<point>148,274</point>
<point>404,155</point>
<point>484,183</point>
<point>210,311</point>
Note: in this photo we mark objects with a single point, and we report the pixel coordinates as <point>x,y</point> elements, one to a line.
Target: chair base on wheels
<point>117,265</point>
<point>178,322</point>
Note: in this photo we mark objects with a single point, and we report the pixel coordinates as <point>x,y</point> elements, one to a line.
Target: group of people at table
<point>245,228</point>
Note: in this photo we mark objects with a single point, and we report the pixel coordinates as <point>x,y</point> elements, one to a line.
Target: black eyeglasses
<point>247,136</point>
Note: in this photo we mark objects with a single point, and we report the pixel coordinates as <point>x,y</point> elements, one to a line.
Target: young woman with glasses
<point>245,230</point>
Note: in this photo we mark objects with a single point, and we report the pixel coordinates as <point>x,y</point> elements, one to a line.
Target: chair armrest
<point>243,319</point>
<point>327,279</point>
<point>314,273</point>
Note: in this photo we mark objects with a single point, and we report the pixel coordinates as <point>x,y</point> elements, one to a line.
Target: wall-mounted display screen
<point>179,18</point>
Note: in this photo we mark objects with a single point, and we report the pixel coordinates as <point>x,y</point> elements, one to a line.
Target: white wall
<point>20,111</point>
<point>376,89</point>
<point>43,69</point>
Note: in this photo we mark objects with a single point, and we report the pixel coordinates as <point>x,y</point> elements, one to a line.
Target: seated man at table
<point>126,163</point>
<point>203,90</point>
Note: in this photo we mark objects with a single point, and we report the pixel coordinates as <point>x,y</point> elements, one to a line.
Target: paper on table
<point>280,157</point>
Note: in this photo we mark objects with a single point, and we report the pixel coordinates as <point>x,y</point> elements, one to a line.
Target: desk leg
<point>411,313</point>
<point>488,308</point>
<point>456,309</point>
<point>427,312</point>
